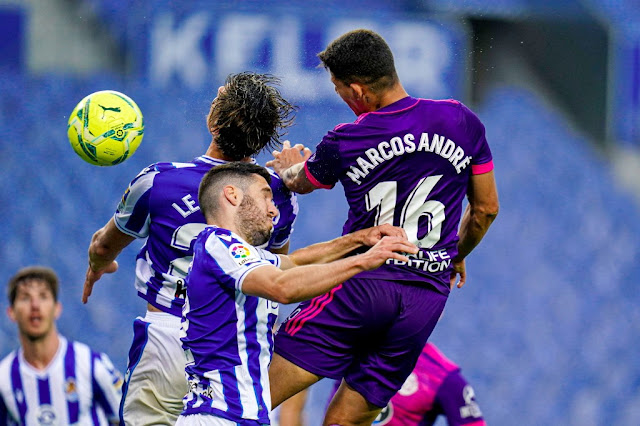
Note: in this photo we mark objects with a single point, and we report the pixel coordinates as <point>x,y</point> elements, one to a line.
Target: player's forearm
<point>295,178</point>
<point>106,245</point>
<point>306,282</point>
<point>473,227</point>
<point>328,251</point>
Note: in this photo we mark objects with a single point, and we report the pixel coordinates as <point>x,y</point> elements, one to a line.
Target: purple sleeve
<point>482,161</point>
<point>323,167</point>
<point>456,399</point>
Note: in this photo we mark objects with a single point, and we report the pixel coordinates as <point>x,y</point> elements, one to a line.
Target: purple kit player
<point>408,162</point>
<point>161,205</point>
<point>434,388</point>
<point>234,287</point>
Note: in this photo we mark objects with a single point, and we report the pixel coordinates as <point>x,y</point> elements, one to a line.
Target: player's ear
<point>358,89</point>
<point>11,314</point>
<point>232,194</point>
<point>58,310</point>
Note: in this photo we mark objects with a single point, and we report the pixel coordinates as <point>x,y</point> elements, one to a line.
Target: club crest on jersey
<point>71,390</point>
<point>410,386</point>
<point>46,415</point>
<point>241,253</point>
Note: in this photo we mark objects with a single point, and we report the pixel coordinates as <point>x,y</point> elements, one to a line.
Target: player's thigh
<point>291,412</point>
<point>287,379</point>
<point>155,382</point>
<point>348,407</point>
<point>382,369</point>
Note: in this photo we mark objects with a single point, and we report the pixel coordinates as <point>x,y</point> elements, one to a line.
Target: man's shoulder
<point>434,358</point>
<point>5,364</point>
<point>178,166</point>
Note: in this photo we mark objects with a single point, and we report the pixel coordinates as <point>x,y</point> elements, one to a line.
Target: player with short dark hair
<point>234,288</point>
<point>404,161</point>
<point>52,380</point>
<point>161,204</point>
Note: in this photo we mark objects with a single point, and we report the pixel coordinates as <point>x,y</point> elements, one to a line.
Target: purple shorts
<point>368,331</point>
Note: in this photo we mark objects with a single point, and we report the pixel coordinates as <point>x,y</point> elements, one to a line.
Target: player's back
<point>161,204</point>
<point>408,164</point>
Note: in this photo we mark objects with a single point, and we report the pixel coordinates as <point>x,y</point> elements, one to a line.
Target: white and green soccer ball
<point>105,128</point>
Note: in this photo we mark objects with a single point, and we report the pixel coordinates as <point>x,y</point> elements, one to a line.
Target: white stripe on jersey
<point>245,381</point>
<point>143,274</point>
<point>144,182</point>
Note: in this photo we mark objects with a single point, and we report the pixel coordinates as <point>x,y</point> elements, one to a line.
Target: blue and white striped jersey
<point>79,387</point>
<point>226,334</point>
<point>161,203</point>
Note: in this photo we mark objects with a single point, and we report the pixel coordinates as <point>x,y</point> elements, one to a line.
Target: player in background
<point>51,380</point>
<point>405,161</point>
<point>161,205</point>
<point>435,387</point>
<point>234,288</point>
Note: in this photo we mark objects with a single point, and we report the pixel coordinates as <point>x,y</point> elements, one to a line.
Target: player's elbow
<point>300,187</point>
<point>487,213</point>
<point>284,292</point>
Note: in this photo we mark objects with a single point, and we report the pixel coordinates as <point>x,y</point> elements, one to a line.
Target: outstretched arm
<point>480,213</point>
<point>106,245</point>
<point>305,282</point>
<point>338,248</point>
<point>289,165</point>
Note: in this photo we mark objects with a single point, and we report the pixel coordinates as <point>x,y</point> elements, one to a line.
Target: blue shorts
<point>368,331</point>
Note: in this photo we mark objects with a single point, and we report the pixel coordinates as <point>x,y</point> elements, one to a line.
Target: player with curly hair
<point>161,204</point>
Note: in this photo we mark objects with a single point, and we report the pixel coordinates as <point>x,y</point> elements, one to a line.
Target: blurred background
<point>546,328</point>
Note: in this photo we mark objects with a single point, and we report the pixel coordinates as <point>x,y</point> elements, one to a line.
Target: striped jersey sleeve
<point>132,215</point>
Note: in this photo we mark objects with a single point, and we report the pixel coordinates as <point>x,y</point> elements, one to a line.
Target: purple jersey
<point>407,164</point>
<point>161,203</point>
<point>226,334</point>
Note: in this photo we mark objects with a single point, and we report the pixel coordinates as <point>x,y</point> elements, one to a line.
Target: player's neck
<point>39,353</point>
<point>214,152</point>
<point>389,97</point>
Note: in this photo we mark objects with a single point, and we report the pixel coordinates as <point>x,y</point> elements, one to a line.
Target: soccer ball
<point>105,128</point>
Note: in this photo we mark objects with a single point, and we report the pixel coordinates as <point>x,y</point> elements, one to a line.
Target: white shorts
<point>155,381</point>
<point>203,420</point>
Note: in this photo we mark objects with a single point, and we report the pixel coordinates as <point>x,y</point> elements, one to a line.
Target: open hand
<point>288,157</point>
<point>388,248</point>
<point>459,268</point>
<point>370,236</point>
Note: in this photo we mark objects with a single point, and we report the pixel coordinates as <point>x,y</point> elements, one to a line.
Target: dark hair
<point>39,273</point>
<point>361,56</point>
<point>236,173</point>
<point>249,115</point>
